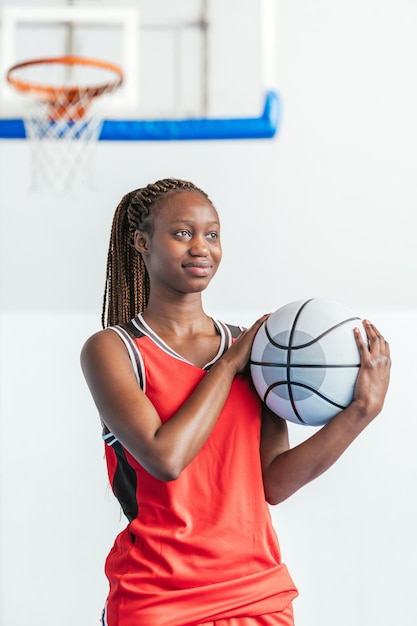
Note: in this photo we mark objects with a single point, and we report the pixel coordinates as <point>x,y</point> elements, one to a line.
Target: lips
<point>198,268</point>
<point>202,264</point>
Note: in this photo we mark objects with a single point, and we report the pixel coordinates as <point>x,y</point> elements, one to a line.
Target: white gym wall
<point>325,208</point>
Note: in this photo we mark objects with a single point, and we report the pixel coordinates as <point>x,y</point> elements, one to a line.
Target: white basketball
<point>305,361</point>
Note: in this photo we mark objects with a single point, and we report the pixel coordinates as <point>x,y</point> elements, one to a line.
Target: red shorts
<point>283,618</point>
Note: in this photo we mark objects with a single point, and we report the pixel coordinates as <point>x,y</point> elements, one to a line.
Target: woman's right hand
<point>240,351</point>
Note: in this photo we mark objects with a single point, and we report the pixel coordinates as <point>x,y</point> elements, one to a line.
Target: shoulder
<point>107,358</point>
<point>101,343</point>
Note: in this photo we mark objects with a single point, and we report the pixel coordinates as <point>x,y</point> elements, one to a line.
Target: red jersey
<point>201,547</point>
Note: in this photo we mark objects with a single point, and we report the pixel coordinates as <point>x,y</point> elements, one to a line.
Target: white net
<point>62,150</point>
<point>63,125</point>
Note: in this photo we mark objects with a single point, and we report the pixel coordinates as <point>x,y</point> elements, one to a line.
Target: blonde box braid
<point>127,286</point>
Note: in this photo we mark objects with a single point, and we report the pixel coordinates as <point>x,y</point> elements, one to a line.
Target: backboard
<point>177,85</point>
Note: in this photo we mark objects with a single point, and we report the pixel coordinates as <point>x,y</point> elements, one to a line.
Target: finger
<point>377,342</point>
<point>372,331</point>
<point>260,321</point>
<point>360,342</point>
<point>263,318</point>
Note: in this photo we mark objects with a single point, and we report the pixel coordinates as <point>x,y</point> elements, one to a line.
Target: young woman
<point>192,456</point>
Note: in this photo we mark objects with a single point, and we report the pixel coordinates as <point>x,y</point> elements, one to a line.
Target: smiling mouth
<point>201,265</point>
<point>198,269</point>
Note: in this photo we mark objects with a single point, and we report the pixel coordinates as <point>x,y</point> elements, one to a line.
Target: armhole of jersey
<point>235,331</point>
<point>134,354</point>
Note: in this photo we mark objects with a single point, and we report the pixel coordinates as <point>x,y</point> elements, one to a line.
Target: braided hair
<point>126,291</point>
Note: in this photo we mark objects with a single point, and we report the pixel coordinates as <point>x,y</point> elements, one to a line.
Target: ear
<point>141,240</point>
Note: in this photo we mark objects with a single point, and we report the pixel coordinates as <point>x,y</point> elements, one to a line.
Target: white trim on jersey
<point>134,354</point>
<point>109,438</point>
<point>224,332</point>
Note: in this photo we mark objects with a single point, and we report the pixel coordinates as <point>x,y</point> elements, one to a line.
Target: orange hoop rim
<point>51,92</point>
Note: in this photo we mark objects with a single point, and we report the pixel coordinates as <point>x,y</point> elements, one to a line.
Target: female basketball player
<point>192,456</point>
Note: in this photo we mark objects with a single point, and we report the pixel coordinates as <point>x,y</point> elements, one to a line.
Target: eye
<point>182,233</point>
<point>213,235</point>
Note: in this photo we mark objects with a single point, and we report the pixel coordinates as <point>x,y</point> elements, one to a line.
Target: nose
<point>199,246</point>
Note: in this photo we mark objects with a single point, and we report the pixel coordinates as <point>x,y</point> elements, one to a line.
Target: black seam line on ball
<point>291,338</point>
<point>271,387</point>
<point>303,386</point>
<point>309,343</point>
<point>297,415</point>
<point>306,366</point>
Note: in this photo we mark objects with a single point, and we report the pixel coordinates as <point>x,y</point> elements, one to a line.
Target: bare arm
<point>287,470</point>
<point>163,449</point>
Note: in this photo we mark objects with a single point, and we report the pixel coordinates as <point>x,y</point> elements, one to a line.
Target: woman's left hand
<point>373,378</point>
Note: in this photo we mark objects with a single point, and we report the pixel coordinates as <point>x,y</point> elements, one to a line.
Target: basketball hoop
<point>63,124</point>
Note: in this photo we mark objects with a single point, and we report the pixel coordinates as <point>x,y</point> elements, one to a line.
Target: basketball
<point>305,361</point>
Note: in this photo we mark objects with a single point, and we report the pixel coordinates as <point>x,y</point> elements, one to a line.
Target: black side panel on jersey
<point>125,483</point>
<point>125,480</point>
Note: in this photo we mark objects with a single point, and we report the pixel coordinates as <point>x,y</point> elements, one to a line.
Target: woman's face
<point>184,250</point>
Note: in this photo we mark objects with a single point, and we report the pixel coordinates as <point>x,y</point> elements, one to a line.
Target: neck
<point>176,316</point>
